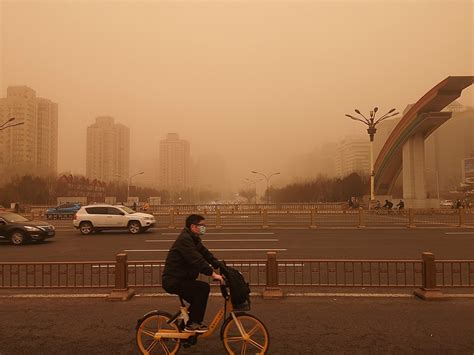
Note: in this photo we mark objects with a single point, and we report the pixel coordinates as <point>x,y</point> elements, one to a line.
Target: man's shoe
<point>195,328</point>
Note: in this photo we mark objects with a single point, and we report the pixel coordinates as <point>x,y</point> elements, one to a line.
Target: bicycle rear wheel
<point>146,329</point>
<point>255,340</point>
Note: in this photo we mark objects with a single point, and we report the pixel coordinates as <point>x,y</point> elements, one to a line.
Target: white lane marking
<point>216,240</point>
<point>228,264</point>
<point>166,250</point>
<point>459,233</point>
<point>67,295</point>
<point>228,233</point>
<point>323,294</point>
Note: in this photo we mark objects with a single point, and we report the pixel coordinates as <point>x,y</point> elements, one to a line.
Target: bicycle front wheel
<point>248,336</point>
<point>151,324</point>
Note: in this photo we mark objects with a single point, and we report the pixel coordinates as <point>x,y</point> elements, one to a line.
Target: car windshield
<point>126,209</point>
<point>13,217</point>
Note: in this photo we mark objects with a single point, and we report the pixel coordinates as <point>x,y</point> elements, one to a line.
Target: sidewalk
<point>297,325</point>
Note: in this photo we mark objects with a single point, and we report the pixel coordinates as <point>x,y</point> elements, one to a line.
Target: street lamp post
<point>371,124</point>
<point>130,182</point>
<point>268,182</point>
<point>6,125</point>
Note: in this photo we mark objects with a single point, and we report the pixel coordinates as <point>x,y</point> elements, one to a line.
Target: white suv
<point>94,218</point>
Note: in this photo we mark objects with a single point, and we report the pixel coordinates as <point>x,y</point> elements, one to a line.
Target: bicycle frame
<point>212,327</point>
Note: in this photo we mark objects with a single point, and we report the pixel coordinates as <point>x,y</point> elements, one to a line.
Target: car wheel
<point>86,228</point>
<point>17,237</point>
<point>134,227</point>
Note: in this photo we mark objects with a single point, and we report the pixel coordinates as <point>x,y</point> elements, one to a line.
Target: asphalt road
<point>300,325</point>
<point>70,245</point>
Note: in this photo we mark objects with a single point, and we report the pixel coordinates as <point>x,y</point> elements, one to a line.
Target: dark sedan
<point>19,229</point>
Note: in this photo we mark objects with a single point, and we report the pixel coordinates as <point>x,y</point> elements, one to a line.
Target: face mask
<point>202,230</point>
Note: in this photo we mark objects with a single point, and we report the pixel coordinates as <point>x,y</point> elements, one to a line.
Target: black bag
<point>239,288</point>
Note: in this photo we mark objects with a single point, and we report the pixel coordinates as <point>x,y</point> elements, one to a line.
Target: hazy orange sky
<point>255,81</point>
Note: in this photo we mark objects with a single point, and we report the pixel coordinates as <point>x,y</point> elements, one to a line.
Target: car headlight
<point>32,229</point>
<point>150,218</point>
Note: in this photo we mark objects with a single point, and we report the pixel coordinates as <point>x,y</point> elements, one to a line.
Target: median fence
<point>275,276</point>
<point>299,216</point>
<point>319,218</point>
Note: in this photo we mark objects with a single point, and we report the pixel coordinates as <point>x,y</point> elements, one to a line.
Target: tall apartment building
<point>31,148</point>
<point>353,156</point>
<point>108,150</point>
<point>174,163</point>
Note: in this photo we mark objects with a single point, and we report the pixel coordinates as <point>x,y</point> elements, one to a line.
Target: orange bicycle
<point>159,332</point>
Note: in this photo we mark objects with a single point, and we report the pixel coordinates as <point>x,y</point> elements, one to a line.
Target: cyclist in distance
<point>187,258</point>
<point>401,205</point>
<point>388,205</point>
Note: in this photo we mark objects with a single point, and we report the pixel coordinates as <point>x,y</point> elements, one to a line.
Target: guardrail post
<point>429,291</point>
<point>265,218</point>
<point>314,211</point>
<point>172,225</point>
<point>462,216</point>
<point>411,218</point>
<point>32,215</point>
<point>121,292</point>
<point>272,288</point>
<point>218,218</point>
<point>361,218</point>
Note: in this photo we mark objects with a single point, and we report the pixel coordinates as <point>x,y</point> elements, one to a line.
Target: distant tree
<point>322,189</point>
<point>249,194</point>
<point>27,190</point>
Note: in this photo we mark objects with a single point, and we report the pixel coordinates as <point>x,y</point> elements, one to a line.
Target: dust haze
<point>252,85</point>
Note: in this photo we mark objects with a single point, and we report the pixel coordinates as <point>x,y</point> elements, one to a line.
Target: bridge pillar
<point>414,188</point>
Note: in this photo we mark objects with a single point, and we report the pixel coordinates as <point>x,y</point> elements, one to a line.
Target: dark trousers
<point>194,292</point>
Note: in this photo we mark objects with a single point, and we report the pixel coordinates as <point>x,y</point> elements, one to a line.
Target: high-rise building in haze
<point>108,150</point>
<point>353,156</point>
<point>31,148</point>
<point>174,163</point>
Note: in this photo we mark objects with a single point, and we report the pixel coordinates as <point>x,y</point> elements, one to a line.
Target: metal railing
<point>455,273</point>
<point>350,273</point>
<point>57,274</point>
<point>317,218</point>
<point>271,273</point>
<point>314,218</point>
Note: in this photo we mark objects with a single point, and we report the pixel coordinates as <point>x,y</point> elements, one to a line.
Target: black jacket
<point>187,258</point>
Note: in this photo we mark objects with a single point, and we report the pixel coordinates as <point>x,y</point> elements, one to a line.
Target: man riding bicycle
<point>401,205</point>
<point>388,205</point>
<point>186,259</point>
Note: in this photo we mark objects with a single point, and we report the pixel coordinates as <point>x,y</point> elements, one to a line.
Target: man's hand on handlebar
<point>217,277</point>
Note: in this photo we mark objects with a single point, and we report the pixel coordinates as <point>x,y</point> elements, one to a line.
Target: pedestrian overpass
<point>404,150</point>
